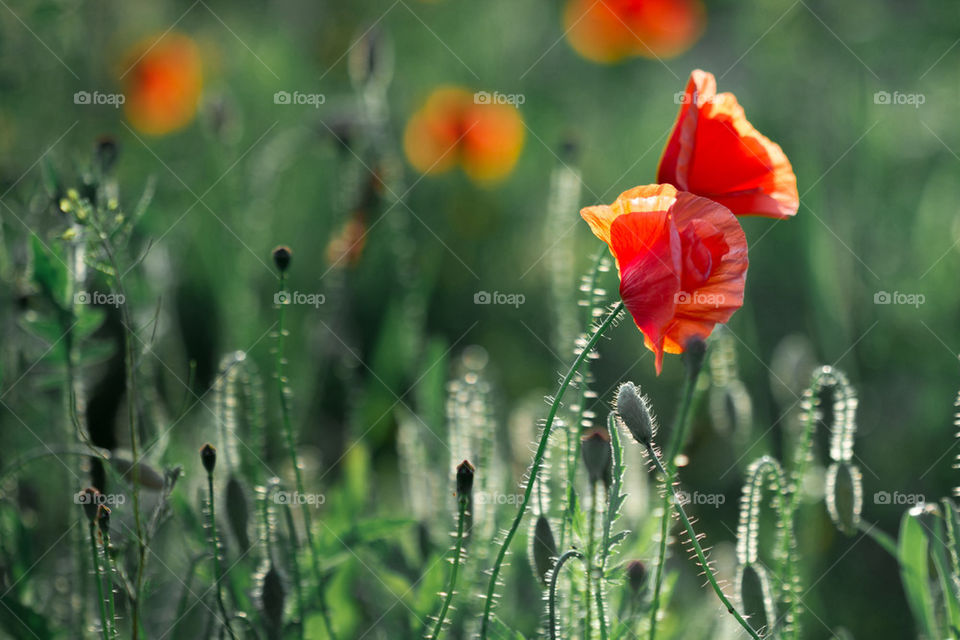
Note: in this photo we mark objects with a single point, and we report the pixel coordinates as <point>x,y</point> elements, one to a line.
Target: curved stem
<point>538,461</point>
<point>678,435</point>
<point>552,598</point>
<point>698,550</point>
<point>458,551</point>
<point>295,462</point>
<point>104,627</point>
<point>215,548</point>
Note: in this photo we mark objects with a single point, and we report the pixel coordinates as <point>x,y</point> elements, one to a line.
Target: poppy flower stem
<point>215,549</point>
<point>677,437</point>
<point>457,557</point>
<point>295,462</point>
<point>695,543</point>
<point>552,598</point>
<point>538,461</point>
<point>104,627</point>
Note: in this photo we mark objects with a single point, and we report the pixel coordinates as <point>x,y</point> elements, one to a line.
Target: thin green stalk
<point>295,567</point>
<point>109,571</point>
<point>458,551</point>
<point>591,535</point>
<point>104,627</point>
<point>538,461</point>
<point>552,597</point>
<point>677,436</point>
<point>698,550</point>
<point>215,549</point>
<point>294,460</point>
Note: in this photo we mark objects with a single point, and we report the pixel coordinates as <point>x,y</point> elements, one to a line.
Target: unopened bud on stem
<point>595,449</point>
<point>465,480</point>
<point>634,413</point>
<point>281,257</point>
<point>208,455</point>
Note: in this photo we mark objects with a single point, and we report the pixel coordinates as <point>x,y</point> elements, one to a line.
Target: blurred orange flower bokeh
<point>682,261</point>
<point>716,153</point>
<point>162,81</point>
<point>610,30</point>
<point>456,126</point>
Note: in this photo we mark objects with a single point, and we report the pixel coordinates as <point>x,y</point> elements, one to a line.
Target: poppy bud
<point>465,480</point>
<point>208,455</point>
<point>595,449</point>
<point>90,499</point>
<point>103,519</point>
<point>105,154</point>
<point>281,257</point>
<point>543,548</point>
<point>694,353</point>
<point>272,597</point>
<point>634,413</point>
<point>636,575</point>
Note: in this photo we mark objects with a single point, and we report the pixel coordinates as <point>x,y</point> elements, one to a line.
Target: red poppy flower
<point>714,152</point>
<point>162,84</point>
<point>682,261</point>
<point>456,126</point>
<point>611,30</point>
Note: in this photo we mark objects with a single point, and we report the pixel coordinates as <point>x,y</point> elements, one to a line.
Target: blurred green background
<point>879,212</point>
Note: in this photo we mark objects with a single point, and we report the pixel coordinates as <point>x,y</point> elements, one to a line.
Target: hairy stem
<point>104,626</point>
<point>537,462</point>
<point>215,549</point>
<point>458,551</point>
<point>552,598</point>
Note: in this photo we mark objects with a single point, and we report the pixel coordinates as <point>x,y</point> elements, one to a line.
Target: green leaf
<point>17,618</point>
<point>915,573</point>
<point>49,271</point>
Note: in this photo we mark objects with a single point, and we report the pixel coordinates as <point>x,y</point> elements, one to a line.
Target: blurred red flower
<point>611,30</point>
<point>682,261</point>
<point>456,126</point>
<point>162,83</point>
<point>715,152</point>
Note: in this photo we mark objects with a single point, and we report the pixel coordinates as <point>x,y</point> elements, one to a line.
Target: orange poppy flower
<point>714,152</point>
<point>611,30</point>
<point>163,79</point>
<point>456,126</point>
<point>682,261</point>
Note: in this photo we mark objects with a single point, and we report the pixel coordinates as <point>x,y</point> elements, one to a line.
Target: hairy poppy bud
<point>634,413</point>
<point>103,519</point>
<point>543,550</point>
<point>208,455</point>
<point>694,353</point>
<point>281,257</point>
<point>636,575</point>
<point>465,480</point>
<point>595,449</point>
<point>90,499</point>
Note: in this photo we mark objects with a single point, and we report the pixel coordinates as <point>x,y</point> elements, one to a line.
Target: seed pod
<point>634,413</point>
<point>272,597</point>
<point>282,257</point>
<point>595,449</point>
<point>90,498</point>
<point>543,549</point>
<point>208,456</point>
<point>636,576</point>
<point>103,519</point>
<point>465,480</point>
<point>238,514</point>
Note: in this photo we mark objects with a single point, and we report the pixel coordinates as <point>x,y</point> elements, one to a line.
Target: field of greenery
<point>594,319</point>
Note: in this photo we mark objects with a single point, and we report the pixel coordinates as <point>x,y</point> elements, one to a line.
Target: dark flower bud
<point>208,455</point>
<point>272,597</point>
<point>694,353</point>
<point>465,479</point>
<point>636,575</point>
<point>543,549</point>
<point>634,413</point>
<point>103,519</point>
<point>105,154</point>
<point>281,257</point>
<point>595,449</point>
<point>90,499</point>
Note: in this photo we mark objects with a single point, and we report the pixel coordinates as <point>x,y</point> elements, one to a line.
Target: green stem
<point>537,462</point>
<point>678,435</point>
<point>295,566</point>
<point>110,604</point>
<point>295,462</point>
<point>698,550</point>
<point>591,535</point>
<point>104,627</point>
<point>552,598</point>
<point>215,548</point>
<point>458,551</point>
